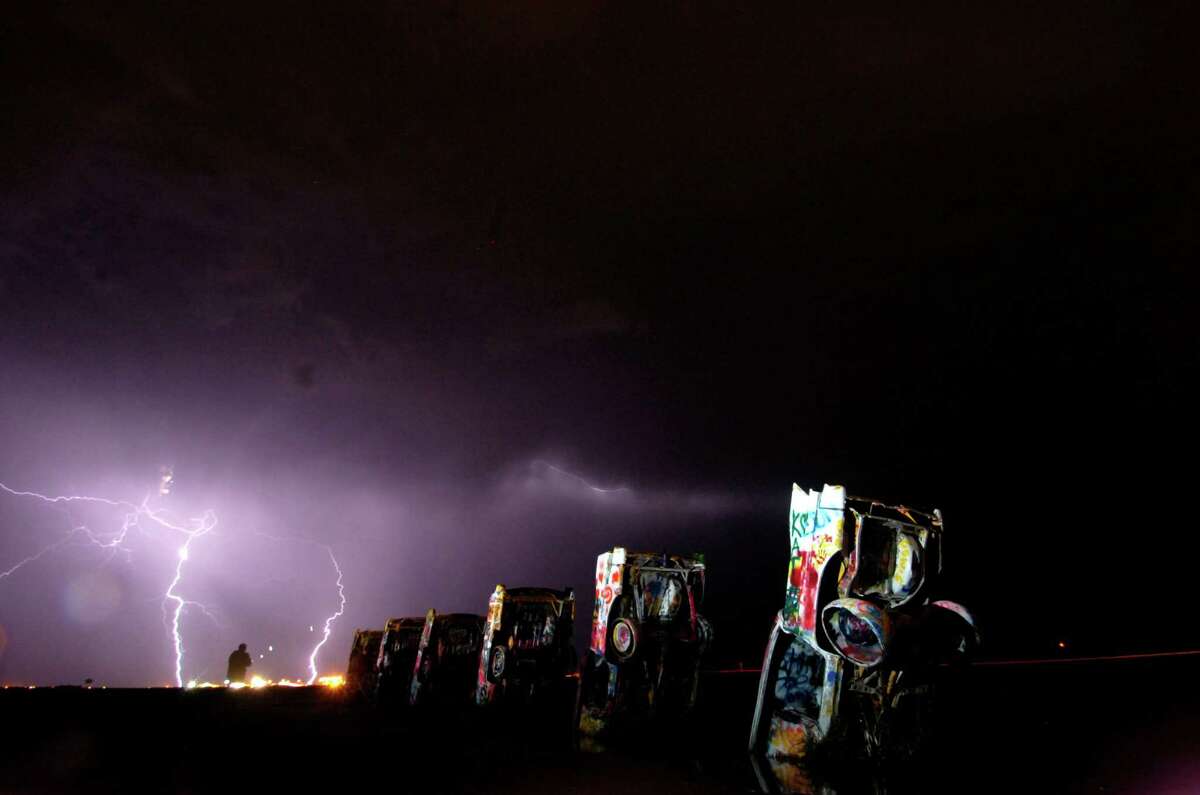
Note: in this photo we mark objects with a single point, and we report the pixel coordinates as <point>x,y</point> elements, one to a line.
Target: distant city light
<point>260,682</point>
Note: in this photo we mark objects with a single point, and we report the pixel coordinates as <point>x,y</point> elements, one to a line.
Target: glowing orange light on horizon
<point>259,683</point>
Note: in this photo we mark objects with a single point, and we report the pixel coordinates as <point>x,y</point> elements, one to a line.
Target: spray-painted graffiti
<point>397,655</point>
<point>817,536</point>
<point>647,639</point>
<point>444,669</point>
<point>528,645</point>
<point>364,656</point>
<point>858,634</point>
<point>608,588</point>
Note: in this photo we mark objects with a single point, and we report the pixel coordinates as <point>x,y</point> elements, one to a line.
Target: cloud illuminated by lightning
<point>551,480</point>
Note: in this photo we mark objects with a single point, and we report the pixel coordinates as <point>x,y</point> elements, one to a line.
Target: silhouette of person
<point>239,661</point>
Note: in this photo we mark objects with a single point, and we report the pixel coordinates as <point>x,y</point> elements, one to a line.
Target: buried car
<point>397,655</point>
<point>364,656</point>
<point>648,638</point>
<point>446,661</point>
<point>848,668</point>
<point>528,644</point>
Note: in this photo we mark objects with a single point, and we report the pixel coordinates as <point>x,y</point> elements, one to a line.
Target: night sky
<point>472,291</point>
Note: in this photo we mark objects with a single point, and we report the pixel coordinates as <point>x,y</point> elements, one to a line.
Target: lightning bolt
<point>35,556</point>
<point>328,628</point>
<point>111,542</point>
<point>115,541</point>
<point>312,658</point>
<point>140,515</point>
<point>202,525</point>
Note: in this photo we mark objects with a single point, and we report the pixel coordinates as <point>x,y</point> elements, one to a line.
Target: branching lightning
<point>36,555</point>
<point>141,516</point>
<point>312,658</point>
<point>202,525</point>
<point>115,541</point>
<point>112,541</point>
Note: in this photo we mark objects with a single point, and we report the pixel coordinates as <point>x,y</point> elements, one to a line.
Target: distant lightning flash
<point>312,658</point>
<point>573,476</point>
<point>115,541</point>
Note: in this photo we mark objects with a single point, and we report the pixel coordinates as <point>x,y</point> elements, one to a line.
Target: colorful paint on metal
<point>528,645</point>
<point>608,588</point>
<point>647,638</point>
<point>444,670</point>
<point>361,670</point>
<point>858,634</point>
<point>858,629</point>
<point>397,655</point>
<point>424,657</point>
<point>485,689</point>
<point>817,522</point>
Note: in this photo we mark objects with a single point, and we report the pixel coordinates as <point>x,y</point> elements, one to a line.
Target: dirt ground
<point>1067,728</point>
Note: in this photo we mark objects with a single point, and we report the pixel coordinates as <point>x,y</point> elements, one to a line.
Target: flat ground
<point>1130,726</point>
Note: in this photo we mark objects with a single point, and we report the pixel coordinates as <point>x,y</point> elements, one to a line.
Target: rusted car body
<point>447,657</point>
<point>397,656</point>
<point>528,644</point>
<point>648,639</point>
<point>848,667</point>
<point>364,656</point>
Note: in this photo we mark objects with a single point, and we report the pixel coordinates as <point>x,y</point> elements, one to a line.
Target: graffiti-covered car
<point>397,656</point>
<point>848,667</point>
<point>789,777</point>
<point>364,656</point>
<point>528,643</point>
<point>648,638</point>
<point>447,656</point>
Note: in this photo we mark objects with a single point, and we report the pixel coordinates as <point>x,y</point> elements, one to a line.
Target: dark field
<point>1128,726</point>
